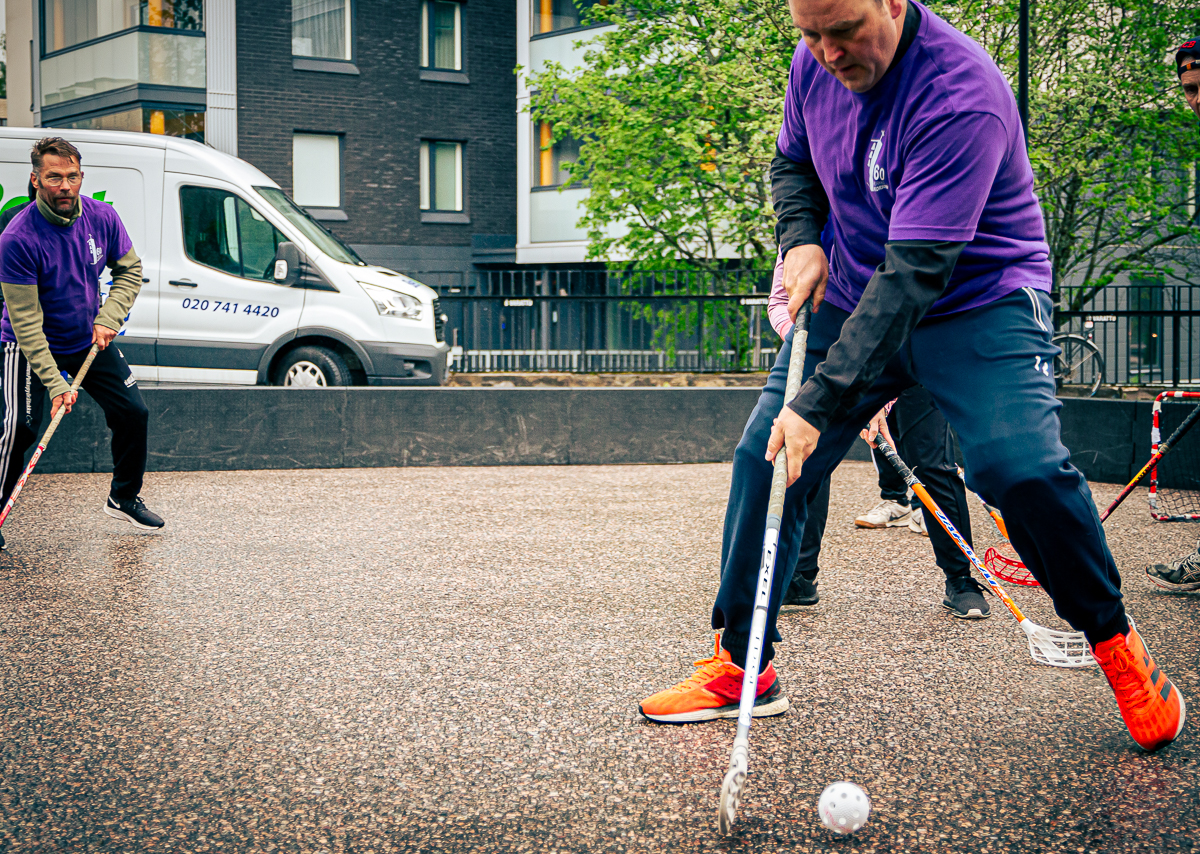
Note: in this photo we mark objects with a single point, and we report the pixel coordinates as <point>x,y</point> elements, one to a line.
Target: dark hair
<point>53,145</point>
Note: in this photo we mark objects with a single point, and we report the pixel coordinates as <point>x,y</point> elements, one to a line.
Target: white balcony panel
<point>561,49</point>
<point>553,214</point>
<point>161,59</point>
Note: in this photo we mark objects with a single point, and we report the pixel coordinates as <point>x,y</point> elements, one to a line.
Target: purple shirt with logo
<point>65,263</point>
<point>935,151</point>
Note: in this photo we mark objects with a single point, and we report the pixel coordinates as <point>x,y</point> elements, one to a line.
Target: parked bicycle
<point>1080,365</point>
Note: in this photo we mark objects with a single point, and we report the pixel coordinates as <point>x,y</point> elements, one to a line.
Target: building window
<point>70,22</point>
<point>552,15</point>
<point>441,35</point>
<point>321,29</point>
<point>317,170</point>
<point>552,156</point>
<point>441,176</point>
<point>222,231</point>
<point>179,121</point>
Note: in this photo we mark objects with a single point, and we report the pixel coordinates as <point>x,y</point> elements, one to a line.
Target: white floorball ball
<point>843,807</point>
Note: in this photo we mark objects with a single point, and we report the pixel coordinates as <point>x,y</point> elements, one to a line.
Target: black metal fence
<point>1149,334</point>
<point>593,320</point>
<point>676,320</point>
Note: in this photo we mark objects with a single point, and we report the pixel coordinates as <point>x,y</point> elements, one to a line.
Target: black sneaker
<point>964,599</point>
<point>1182,574</point>
<point>801,592</point>
<point>3,545</point>
<point>133,510</point>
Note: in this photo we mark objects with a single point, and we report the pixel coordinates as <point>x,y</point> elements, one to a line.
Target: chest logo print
<point>876,174</point>
<point>94,251</point>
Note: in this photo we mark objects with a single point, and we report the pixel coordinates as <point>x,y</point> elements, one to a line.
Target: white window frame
<point>303,168</point>
<point>428,190</point>
<point>349,22</point>
<point>427,35</point>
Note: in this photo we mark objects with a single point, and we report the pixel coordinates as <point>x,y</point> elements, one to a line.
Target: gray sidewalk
<point>449,659</point>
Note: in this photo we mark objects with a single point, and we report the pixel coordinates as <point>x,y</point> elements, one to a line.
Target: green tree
<point>1112,143</point>
<point>678,105</point>
<point>677,110</point>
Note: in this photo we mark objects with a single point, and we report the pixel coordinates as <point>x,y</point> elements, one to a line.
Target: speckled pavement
<point>449,660</point>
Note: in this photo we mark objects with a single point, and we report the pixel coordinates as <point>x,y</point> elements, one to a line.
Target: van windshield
<point>309,227</point>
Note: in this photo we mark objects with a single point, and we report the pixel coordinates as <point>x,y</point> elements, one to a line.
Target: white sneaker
<point>885,514</point>
<point>916,523</point>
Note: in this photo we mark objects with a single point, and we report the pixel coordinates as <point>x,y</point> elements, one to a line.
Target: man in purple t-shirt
<point>51,258</point>
<point>902,136</point>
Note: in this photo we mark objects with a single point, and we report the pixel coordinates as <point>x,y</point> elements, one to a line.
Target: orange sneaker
<point>713,691</point>
<point>1151,706</point>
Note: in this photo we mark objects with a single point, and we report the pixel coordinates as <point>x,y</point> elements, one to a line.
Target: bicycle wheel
<point>1079,365</point>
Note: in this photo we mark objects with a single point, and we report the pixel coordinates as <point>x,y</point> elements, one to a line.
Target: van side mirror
<point>287,263</point>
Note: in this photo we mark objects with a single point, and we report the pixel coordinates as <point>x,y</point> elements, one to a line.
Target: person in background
<point>924,441</point>
<point>1183,574</point>
<point>51,256</point>
<point>10,213</point>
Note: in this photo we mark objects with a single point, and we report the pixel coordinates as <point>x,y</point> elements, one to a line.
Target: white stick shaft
<point>766,569</point>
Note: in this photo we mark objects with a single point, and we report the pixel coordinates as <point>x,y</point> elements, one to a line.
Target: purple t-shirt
<point>65,263</point>
<point>935,151</point>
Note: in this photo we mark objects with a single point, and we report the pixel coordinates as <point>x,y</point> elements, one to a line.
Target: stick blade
<point>1057,649</point>
<point>731,798</point>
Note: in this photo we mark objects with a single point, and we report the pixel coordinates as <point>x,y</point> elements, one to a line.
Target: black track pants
<point>109,382</point>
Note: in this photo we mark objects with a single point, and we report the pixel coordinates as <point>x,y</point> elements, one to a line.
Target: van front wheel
<point>312,367</point>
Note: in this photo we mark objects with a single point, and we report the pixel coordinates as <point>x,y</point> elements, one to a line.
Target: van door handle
<point>183,283</point>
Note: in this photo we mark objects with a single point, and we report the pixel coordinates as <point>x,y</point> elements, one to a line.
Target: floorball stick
<point>62,410</point>
<point>739,760</point>
<point>1001,565</point>
<point>1163,448</point>
<point>1046,646</point>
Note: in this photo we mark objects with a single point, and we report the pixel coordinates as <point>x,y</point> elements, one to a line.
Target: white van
<point>241,285</point>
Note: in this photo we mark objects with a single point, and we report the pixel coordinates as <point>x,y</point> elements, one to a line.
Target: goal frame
<point>1155,440</point>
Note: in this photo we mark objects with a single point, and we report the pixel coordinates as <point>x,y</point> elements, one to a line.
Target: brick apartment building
<point>392,121</point>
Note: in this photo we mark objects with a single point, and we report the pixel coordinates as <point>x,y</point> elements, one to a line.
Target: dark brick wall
<point>384,112</point>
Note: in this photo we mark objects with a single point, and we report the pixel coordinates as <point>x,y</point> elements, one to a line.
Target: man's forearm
<point>25,315</point>
<point>801,205</point>
<point>126,283</point>
<point>914,274</point>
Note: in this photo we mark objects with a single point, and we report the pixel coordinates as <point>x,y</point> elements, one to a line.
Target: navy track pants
<point>990,372</point>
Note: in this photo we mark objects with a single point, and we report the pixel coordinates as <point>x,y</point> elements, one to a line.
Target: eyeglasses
<point>58,180</point>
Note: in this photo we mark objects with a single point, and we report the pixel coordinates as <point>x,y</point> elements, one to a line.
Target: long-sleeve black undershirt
<point>910,280</point>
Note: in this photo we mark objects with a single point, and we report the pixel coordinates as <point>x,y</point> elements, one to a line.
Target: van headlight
<point>393,303</point>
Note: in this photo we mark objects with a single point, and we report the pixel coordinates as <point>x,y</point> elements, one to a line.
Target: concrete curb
<point>197,429</point>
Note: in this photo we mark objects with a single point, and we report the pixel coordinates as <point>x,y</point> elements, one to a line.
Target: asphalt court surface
<point>450,659</point>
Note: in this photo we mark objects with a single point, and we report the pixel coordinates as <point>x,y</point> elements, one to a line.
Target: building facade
<point>548,206</point>
<point>391,121</point>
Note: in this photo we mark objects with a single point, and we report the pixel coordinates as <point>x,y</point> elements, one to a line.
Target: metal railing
<point>589,321</point>
<point>675,320</point>
<point>1149,334</point>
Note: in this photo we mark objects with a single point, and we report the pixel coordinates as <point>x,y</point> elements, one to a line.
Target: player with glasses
<point>52,255</point>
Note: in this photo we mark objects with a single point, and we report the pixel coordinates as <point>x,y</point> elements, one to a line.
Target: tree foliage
<point>677,110</point>
<point>1112,142</point>
<point>677,107</point>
